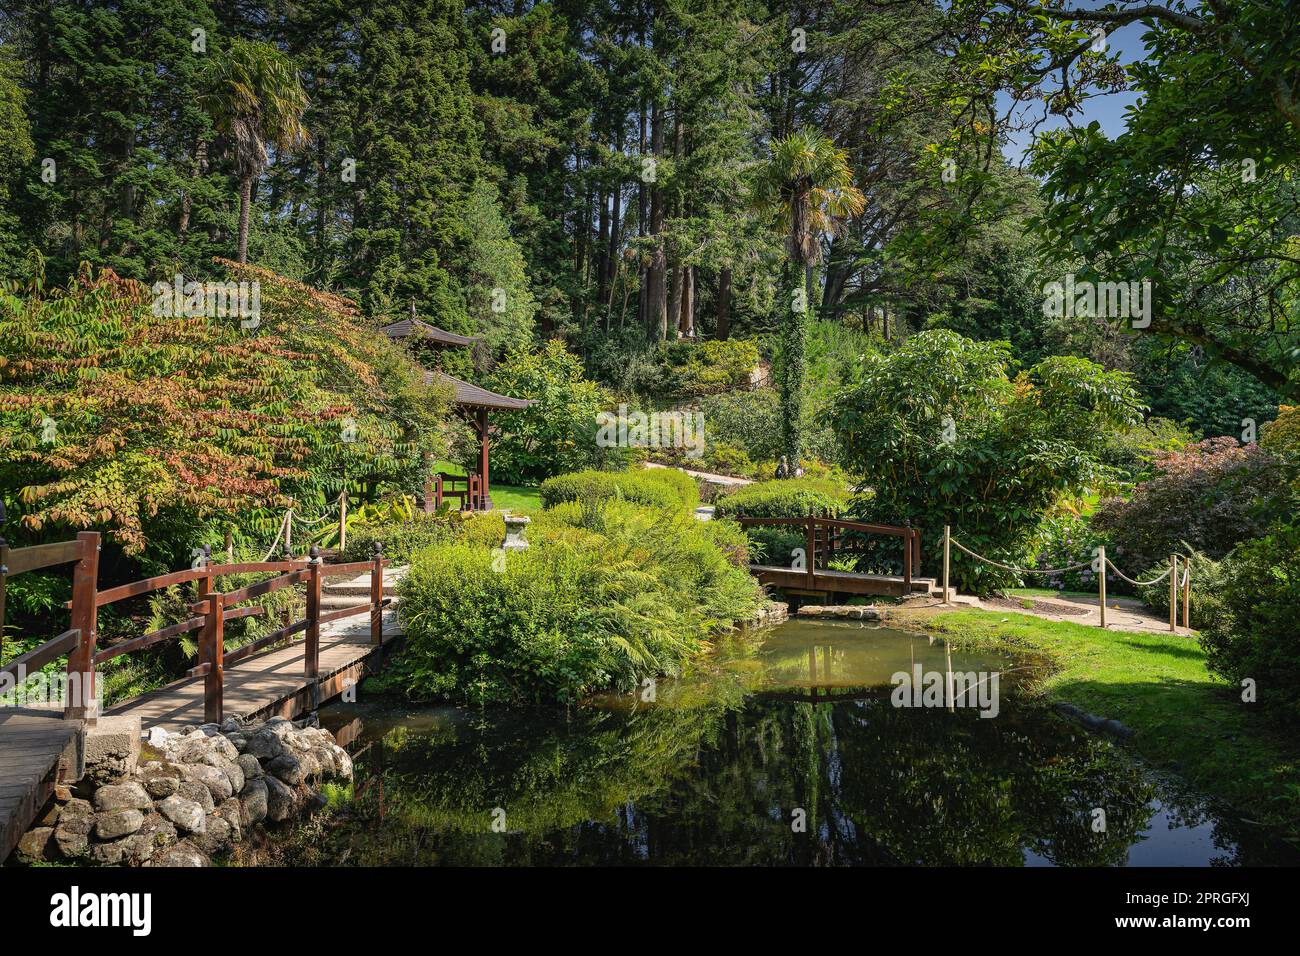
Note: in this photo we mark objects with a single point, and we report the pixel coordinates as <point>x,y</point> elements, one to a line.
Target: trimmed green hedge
<point>664,488</point>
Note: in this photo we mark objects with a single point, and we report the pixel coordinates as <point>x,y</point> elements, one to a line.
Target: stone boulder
<point>117,823</point>
<point>182,854</point>
<point>279,800</point>
<point>186,814</point>
<point>122,796</point>
<point>196,792</point>
<point>34,846</point>
<point>213,778</point>
<point>254,801</point>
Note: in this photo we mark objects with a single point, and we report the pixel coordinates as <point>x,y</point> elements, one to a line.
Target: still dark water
<point>780,749</point>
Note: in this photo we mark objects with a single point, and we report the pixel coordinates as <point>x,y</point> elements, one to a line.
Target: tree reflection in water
<point>713,770</point>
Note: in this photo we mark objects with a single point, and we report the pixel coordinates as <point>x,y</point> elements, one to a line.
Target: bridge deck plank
<point>31,742</point>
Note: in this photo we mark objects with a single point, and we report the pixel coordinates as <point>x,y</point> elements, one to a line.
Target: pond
<point>791,747</point>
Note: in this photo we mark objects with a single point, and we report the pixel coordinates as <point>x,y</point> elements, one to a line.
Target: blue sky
<point>1107,110</point>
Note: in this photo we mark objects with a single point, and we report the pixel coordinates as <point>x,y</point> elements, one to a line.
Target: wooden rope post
<point>947,560</point>
<point>1187,594</point>
<point>907,563</point>
<point>81,662</point>
<point>1101,585</point>
<point>288,535</point>
<point>311,649</point>
<point>1173,592</point>
<point>377,595</point>
<point>343,521</point>
<point>810,544</point>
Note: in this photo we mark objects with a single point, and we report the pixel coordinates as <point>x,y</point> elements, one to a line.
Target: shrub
<point>749,421</point>
<point>1135,453</point>
<point>943,435</point>
<point>606,596</point>
<point>557,433</point>
<point>664,488</point>
<point>1255,635</point>
<point>1211,496</point>
<point>709,367</point>
<point>782,498</point>
<point>1063,540</point>
<point>400,539</point>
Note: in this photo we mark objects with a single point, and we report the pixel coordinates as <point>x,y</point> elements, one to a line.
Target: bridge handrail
<point>911,538</point>
<point>211,611</point>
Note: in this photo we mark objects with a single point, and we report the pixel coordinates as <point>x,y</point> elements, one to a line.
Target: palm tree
<point>807,187</point>
<point>254,97</point>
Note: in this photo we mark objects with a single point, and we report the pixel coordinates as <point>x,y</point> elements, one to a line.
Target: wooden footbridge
<point>828,540</point>
<point>345,627</point>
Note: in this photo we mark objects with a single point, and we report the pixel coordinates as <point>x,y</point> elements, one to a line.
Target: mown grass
<point>1185,720</point>
<point>505,497</point>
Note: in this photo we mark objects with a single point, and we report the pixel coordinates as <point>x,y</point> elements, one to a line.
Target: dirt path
<point>1122,614</point>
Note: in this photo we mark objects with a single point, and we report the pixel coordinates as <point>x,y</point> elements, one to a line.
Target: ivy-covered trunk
<point>797,304</point>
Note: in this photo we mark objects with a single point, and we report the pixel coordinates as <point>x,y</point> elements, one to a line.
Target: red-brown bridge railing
<point>825,537</point>
<point>210,613</point>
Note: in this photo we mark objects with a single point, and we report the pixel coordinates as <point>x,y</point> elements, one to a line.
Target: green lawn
<point>512,497</point>
<point>1184,719</point>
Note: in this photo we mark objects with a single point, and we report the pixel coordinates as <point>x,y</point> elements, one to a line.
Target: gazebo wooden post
<point>486,503</point>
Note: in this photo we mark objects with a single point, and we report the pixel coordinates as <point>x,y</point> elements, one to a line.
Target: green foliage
<point>1208,581</point>
<point>400,536</point>
<point>748,420</point>
<point>943,435</point>
<point>1254,637</point>
<point>783,498</point>
<point>1134,453</point>
<point>605,597</point>
<point>1062,540</point>
<point>557,433</point>
<point>660,488</point>
<point>709,367</point>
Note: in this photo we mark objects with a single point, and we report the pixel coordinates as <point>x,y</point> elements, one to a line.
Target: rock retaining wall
<point>189,795</point>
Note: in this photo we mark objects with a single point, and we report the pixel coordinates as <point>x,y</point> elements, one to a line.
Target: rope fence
<point>1175,585</point>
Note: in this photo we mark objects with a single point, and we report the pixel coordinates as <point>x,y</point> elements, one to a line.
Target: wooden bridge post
<point>81,661</point>
<point>1101,585</point>
<point>311,649</point>
<point>1173,592</point>
<point>810,546</point>
<point>377,595</point>
<point>214,640</point>
<point>947,560</point>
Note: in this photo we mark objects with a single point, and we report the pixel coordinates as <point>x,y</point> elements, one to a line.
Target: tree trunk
<point>198,170</point>
<point>792,363</point>
<point>657,274</point>
<point>686,323</point>
<point>245,201</point>
<point>724,303</point>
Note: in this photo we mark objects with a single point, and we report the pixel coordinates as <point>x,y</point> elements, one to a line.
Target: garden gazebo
<point>473,403</point>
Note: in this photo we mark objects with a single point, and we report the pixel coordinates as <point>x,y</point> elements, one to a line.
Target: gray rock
<point>264,745</point>
<point>254,801</point>
<point>159,780</point>
<point>74,809</point>
<point>213,778</point>
<point>194,749</point>
<point>288,767</point>
<point>73,833</point>
<point>158,738</point>
<point>232,725</point>
<point>182,854</point>
<point>198,793</point>
<point>34,845</point>
<point>186,814</point>
<point>215,836</point>
<point>230,768</point>
<point>155,834</point>
<point>122,796</point>
<point>279,727</point>
<point>233,813</point>
<point>279,800</point>
<point>117,823</point>
<point>250,765</point>
<point>222,746</point>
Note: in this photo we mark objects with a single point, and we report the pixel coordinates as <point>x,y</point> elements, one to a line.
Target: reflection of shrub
<point>653,487</point>
<point>1255,636</point>
<point>606,595</point>
<point>1211,496</point>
